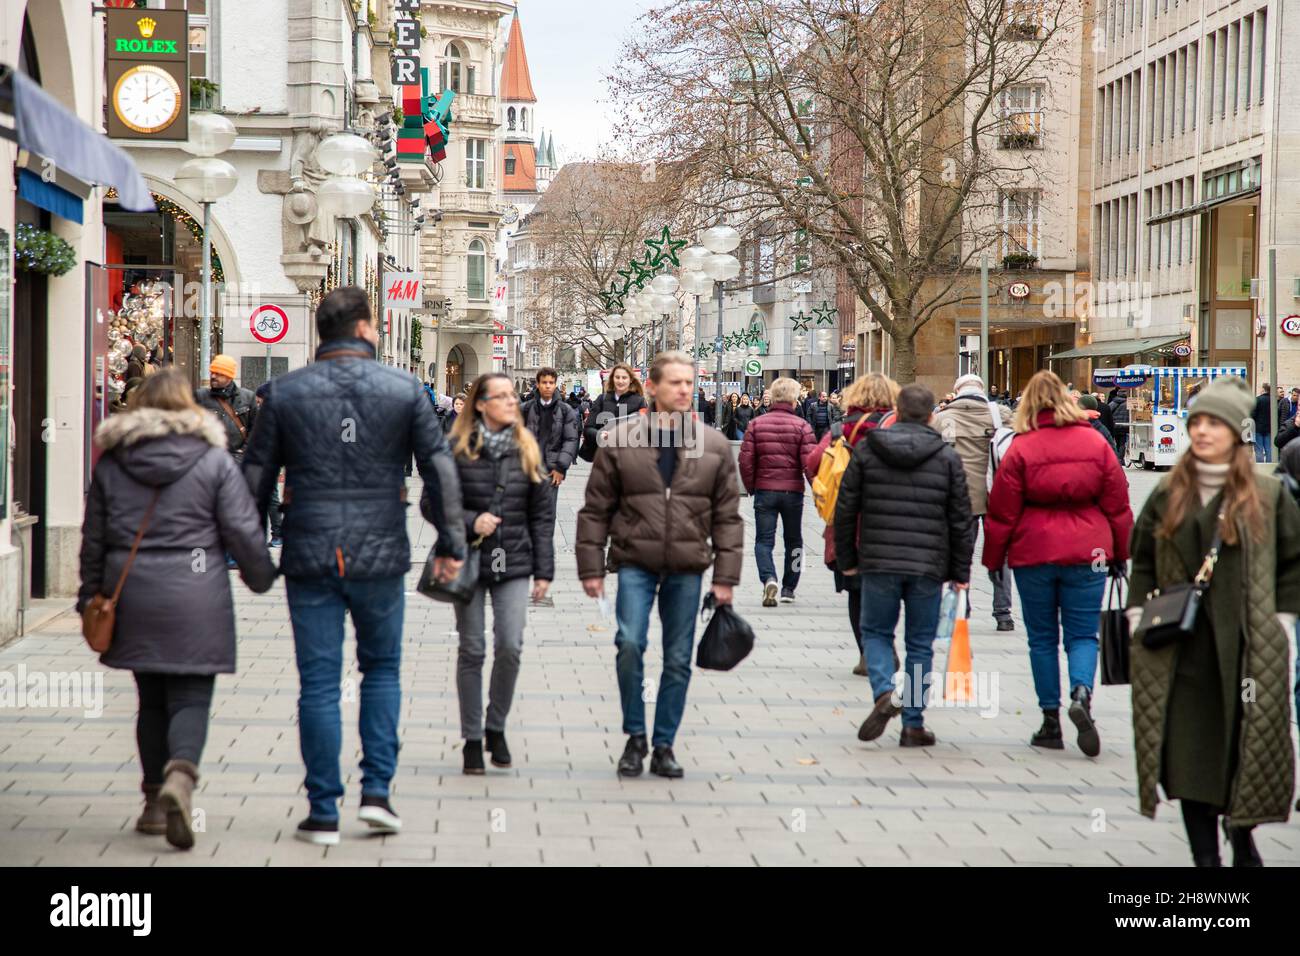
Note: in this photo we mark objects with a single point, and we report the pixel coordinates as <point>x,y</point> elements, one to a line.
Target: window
<point>475,162</point>
<point>523,119</point>
<point>510,118</point>
<point>476,270</point>
<point>1022,20</point>
<point>510,165</point>
<point>1021,116</point>
<point>456,73</point>
<point>536,357</point>
<point>1020,224</point>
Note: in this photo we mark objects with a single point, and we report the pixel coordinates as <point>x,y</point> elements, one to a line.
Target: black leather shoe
<point>495,744</point>
<point>1007,625</point>
<point>1081,714</point>
<point>916,737</point>
<point>1049,735</point>
<point>632,763</point>
<point>474,757</point>
<point>663,763</point>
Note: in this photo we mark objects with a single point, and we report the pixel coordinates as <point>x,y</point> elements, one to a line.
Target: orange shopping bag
<point>959,679</point>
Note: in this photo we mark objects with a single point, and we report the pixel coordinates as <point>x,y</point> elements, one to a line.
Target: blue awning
<point>49,196</point>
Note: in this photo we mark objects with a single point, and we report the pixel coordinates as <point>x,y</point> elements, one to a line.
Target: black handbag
<point>1114,634</point>
<point>727,640</point>
<point>460,589</point>
<point>1170,613</point>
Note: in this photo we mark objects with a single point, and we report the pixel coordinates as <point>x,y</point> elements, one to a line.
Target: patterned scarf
<point>496,444</point>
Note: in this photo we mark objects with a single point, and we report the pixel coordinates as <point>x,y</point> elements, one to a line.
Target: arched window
<point>476,270</point>
<point>453,68</point>
<point>523,119</point>
<point>510,118</point>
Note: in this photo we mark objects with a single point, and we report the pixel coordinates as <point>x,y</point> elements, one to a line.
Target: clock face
<point>147,99</point>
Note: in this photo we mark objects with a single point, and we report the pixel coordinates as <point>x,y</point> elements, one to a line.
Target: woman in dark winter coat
<point>869,403</point>
<point>1211,712</point>
<point>727,418</point>
<point>1058,504</point>
<point>510,512</point>
<point>742,416</point>
<point>165,468</point>
<point>623,396</point>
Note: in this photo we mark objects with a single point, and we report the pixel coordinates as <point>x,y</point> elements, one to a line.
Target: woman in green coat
<point>1212,712</point>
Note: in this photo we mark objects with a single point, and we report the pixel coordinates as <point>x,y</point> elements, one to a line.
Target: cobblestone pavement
<point>774,772</point>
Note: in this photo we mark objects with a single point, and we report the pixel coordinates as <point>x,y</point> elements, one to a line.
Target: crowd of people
<point>906,485</point>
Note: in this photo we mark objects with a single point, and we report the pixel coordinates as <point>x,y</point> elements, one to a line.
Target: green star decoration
<point>645,269</point>
<point>666,247</point>
<point>626,276</point>
<point>801,321</point>
<point>825,314</point>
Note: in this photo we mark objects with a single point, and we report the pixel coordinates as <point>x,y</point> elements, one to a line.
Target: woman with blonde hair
<point>1059,502</point>
<point>623,396</point>
<point>509,516</point>
<point>166,505</point>
<point>1197,734</point>
<point>867,403</point>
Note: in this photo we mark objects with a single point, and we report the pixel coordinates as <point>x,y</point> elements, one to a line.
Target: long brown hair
<point>1045,392</point>
<point>466,442</point>
<point>1242,506</point>
<point>634,388</point>
<point>168,390</point>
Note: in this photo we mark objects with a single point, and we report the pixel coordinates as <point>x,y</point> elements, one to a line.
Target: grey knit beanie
<point>1228,399</point>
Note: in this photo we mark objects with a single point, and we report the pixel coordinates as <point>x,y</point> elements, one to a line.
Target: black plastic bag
<point>1114,635</point>
<point>727,639</point>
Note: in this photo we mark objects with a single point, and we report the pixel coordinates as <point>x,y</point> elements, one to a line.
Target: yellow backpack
<point>830,472</point>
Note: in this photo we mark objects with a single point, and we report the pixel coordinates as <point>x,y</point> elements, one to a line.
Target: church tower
<point>519,119</point>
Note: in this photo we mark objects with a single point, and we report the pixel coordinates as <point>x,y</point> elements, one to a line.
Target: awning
<point>1197,208</point>
<point>44,126</point>
<point>1123,347</point>
<point>49,196</point>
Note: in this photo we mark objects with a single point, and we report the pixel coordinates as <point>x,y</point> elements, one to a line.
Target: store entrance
<point>1229,312</point>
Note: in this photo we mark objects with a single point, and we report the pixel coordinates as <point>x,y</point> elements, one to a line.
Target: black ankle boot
<point>632,763</point>
<point>1244,852</point>
<point>473,757</point>
<point>1200,820</point>
<point>494,742</point>
<point>1081,715</point>
<point>1049,735</point>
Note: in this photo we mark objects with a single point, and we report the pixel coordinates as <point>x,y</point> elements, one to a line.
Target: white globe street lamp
<point>345,197</point>
<point>722,267</point>
<point>720,239</point>
<point>664,284</point>
<point>210,134</point>
<point>205,179</point>
<point>345,154</point>
<point>692,259</point>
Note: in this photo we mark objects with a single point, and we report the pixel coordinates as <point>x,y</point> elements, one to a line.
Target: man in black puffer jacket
<point>554,424</point>
<point>905,487</point>
<point>343,429</point>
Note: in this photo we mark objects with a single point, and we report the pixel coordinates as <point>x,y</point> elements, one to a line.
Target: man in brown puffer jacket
<point>663,495</point>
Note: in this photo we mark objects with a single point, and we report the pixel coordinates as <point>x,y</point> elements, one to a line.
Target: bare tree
<point>589,226</point>
<point>864,134</point>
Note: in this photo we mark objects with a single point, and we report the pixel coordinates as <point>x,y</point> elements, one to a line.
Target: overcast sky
<point>572,45</point>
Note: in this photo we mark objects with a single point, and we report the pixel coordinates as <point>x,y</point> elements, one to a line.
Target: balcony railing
<point>474,108</point>
<point>469,201</point>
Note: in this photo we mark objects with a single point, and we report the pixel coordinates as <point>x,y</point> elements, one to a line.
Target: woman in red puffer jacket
<point>868,404</point>
<point>1059,515</point>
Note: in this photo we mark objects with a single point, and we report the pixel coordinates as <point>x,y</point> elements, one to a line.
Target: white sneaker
<point>769,593</point>
<point>317,832</point>
<point>379,815</point>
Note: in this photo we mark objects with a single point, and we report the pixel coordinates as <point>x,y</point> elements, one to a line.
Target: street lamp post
<point>205,179</point>
<point>697,283</point>
<point>721,266</point>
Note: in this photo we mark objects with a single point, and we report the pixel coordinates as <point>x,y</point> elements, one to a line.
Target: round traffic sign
<point>753,367</point>
<point>269,324</point>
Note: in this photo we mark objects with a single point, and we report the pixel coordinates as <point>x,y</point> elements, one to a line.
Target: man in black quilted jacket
<point>343,428</point>
<point>905,488</point>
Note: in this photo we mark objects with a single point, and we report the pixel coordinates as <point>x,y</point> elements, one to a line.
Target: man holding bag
<point>663,496</point>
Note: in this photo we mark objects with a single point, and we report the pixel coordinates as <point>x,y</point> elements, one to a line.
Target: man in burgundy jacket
<point>771,467</point>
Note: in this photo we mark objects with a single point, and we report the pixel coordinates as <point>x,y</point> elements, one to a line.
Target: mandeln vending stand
<point>1157,406</point>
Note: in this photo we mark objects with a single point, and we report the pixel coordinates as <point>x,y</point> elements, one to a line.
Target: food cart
<point>1157,406</point>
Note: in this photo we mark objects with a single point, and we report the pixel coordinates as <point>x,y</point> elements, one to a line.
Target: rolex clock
<point>146,99</point>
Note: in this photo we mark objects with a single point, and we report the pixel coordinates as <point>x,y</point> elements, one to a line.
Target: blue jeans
<point>882,594</point>
<point>316,609</point>
<point>1061,600</point>
<point>788,506</point>
<point>1261,446</point>
<point>679,602</point>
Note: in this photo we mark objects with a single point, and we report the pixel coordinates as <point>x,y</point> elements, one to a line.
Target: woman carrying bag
<point>622,396</point>
<point>1211,707</point>
<point>509,512</point>
<point>166,505</point>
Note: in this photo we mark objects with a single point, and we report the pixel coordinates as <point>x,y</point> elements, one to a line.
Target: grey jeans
<point>1001,581</point>
<point>509,612</point>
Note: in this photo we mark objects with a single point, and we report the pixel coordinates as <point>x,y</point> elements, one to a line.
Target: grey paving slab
<point>775,773</point>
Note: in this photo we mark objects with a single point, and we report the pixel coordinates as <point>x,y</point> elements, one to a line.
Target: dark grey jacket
<point>175,615</point>
<point>906,488</point>
<point>561,446</point>
<point>344,429</point>
<point>244,404</point>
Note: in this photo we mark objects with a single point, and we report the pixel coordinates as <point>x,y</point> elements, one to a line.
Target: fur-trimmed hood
<point>155,447</point>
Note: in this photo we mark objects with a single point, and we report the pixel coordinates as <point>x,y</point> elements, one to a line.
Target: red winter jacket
<point>1059,497</point>
<point>773,450</point>
<point>876,418</point>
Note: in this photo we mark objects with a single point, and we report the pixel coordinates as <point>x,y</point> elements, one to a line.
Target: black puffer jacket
<point>175,615</point>
<point>909,488</point>
<point>524,543</point>
<point>244,404</point>
<point>344,428</point>
<point>561,446</point>
<point>605,410</point>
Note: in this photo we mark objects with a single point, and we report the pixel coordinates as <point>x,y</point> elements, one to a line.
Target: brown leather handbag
<point>100,613</point>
